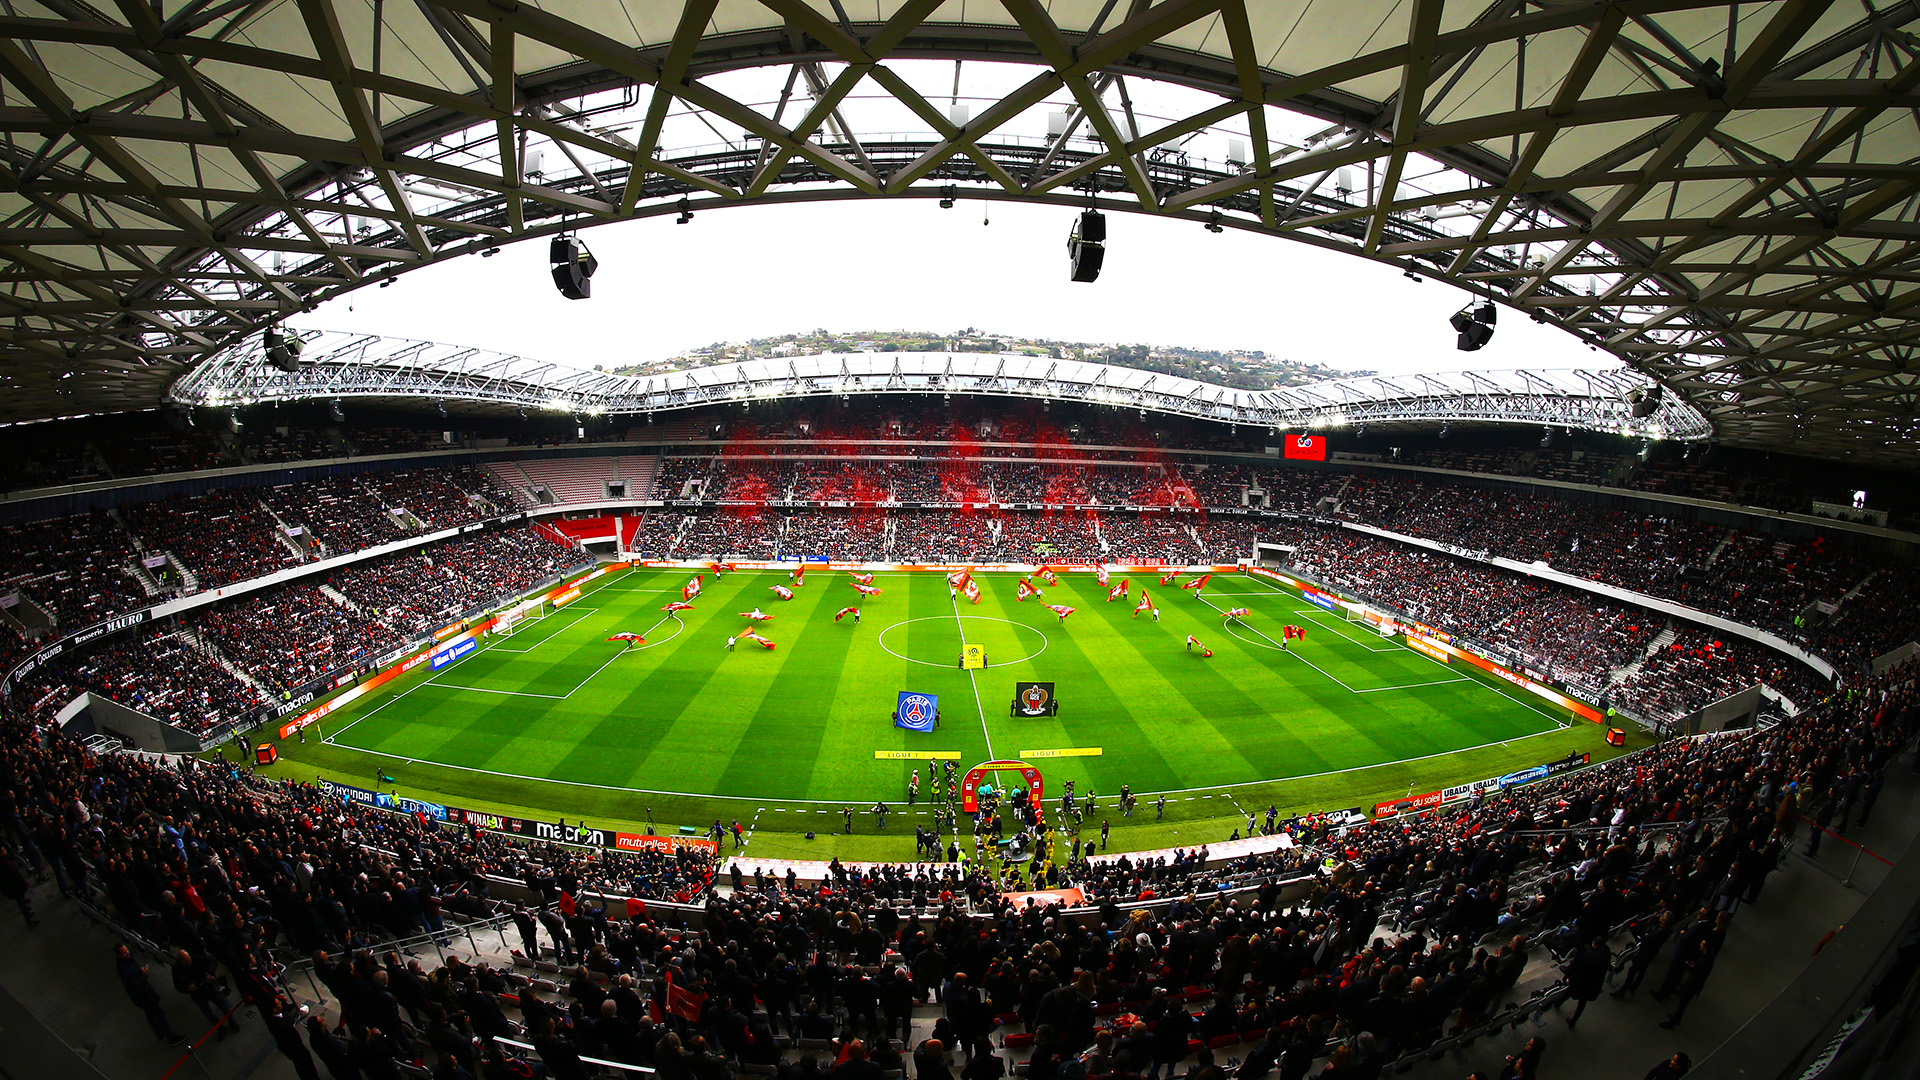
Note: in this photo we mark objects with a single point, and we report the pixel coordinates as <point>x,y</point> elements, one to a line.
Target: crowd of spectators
<point>1416,927</point>
<point>348,513</point>
<point>221,537</point>
<point>294,635</point>
<point>1563,633</point>
<point>163,675</point>
<point>76,568</point>
<point>946,536</point>
<point>287,637</point>
<point>839,535</point>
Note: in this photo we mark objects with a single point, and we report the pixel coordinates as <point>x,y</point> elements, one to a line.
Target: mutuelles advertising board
<point>555,832</point>
<point>1414,804</point>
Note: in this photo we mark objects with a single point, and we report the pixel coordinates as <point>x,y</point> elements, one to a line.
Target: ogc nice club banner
<point>1033,699</point>
<point>916,711</point>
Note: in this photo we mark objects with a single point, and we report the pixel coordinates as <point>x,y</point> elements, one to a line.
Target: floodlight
<point>686,212</point>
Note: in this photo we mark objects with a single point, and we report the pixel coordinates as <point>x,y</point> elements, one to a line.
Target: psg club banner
<point>1307,447</point>
<point>1033,698</point>
<point>916,711</point>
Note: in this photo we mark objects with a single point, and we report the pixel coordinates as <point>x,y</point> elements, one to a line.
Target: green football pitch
<point>554,719</point>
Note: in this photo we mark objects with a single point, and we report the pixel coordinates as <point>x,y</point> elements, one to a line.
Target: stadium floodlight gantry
<point>1723,194</point>
<point>344,365</point>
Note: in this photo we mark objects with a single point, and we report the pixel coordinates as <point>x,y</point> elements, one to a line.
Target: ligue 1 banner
<point>1034,699</point>
<point>916,711</point>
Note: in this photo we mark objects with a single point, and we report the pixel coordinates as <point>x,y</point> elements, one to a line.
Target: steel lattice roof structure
<point>347,365</point>
<point>1721,193</point>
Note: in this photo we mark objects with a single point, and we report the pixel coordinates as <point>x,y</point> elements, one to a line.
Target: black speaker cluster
<point>573,267</point>
<point>1087,245</point>
<point>1474,324</point>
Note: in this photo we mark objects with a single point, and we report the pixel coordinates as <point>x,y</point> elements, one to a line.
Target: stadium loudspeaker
<point>1086,245</point>
<point>283,351</point>
<point>1644,403</point>
<point>573,266</point>
<point>1474,337</point>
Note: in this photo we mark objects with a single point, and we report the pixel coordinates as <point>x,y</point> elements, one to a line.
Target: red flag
<point>683,1003</point>
<point>1116,592</point>
<point>1061,610</point>
<point>854,611</point>
<point>799,576</point>
<point>1238,613</point>
<point>959,578</point>
<point>636,908</point>
<point>1101,574</point>
<point>1197,583</point>
<point>1023,590</point>
<point>692,588</point>
<point>678,606</point>
<point>1169,577</point>
<point>751,636</point>
<point>1145,604</point>
<point>567,905</point>
<point>864,579</point>
<point>756,615</point>
<point>626,637</point>
<point>864,590</point>
<point>971,590</point>
<point>781,591</point>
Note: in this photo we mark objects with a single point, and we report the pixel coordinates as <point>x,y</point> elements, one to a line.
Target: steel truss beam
<point>341,365</point>
<point>1744,229</point>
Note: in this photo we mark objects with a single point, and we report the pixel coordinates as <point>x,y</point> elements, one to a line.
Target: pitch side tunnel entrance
<point>970,785</point>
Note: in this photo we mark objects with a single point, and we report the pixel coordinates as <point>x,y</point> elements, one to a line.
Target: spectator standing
<point>133,976</point>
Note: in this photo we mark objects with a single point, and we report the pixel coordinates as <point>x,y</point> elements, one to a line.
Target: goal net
<point>514,620</point>
<point>1383,624</point>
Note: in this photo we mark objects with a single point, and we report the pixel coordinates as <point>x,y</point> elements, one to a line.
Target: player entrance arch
<point>970,785</point>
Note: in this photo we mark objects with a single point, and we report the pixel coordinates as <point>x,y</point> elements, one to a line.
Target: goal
<point>1383,624</point>
<point>513,620</point>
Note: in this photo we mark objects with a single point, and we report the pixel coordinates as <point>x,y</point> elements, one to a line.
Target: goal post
<point>518,617</point>
<point>1382,623</point>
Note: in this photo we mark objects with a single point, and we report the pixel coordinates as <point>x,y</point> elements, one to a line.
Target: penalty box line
<point>582,612</point>
<point>434,681</point>
<point>1283,649</point>
<point>1558,724</point>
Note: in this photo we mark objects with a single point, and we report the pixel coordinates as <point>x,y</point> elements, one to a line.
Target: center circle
<point>1232,629</point>
<point>995,661</point>
<point>678,626</point>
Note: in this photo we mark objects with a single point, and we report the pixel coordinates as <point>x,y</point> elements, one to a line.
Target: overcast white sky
<point>759,271</point>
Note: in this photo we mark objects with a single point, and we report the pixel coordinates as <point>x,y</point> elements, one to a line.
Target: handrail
<point>616,1066</point>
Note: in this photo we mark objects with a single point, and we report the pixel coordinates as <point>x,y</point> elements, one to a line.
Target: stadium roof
<point>345,365</point>
<point>1723,194</point>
